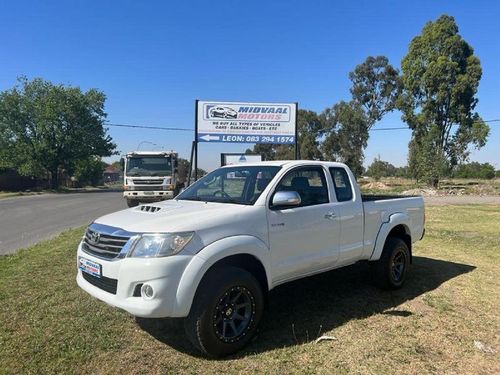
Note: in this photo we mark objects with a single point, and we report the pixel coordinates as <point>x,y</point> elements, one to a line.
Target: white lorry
<point>149,176</point>
<point>212,254</point>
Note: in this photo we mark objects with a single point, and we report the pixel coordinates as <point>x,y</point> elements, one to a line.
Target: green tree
<point>268,151</point>
<point>117,165</point>
<point>376,86</point>
<point>475,170</point>
<point>402,172</point>
<point>346,134</point>
<point>309,129</point>
<point>379,168</point>
<point>48,128</point>
<point>183,171</point>
<point>440,77</point>
<point>88,171</point>
<point>375,89</point>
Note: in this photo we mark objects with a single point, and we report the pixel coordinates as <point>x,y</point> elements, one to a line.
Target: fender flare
<point>207,257</point>
<point>395,219</point>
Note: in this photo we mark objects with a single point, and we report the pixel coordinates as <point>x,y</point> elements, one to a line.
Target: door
<point>305,238</point>
<point>350,209</point>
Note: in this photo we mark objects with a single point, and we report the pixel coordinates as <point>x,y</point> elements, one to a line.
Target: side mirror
<point>286,199</point>
<point>122,163</point>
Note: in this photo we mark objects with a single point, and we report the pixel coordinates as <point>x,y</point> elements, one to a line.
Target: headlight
<point>160,245</point>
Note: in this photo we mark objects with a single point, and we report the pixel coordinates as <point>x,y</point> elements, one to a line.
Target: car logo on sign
<point>94,238</point>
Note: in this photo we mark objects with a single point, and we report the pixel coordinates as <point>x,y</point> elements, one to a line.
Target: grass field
<point>455,186</point>
<point>8,194</point>
<point>451,300</point>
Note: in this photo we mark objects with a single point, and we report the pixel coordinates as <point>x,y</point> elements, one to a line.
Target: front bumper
<point>163,274</point>
<point>149,195</point>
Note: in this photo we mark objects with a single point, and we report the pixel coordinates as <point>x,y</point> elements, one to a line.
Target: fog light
<point>147,291</point>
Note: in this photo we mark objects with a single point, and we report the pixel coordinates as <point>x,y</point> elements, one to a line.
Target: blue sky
<point>154,58</point>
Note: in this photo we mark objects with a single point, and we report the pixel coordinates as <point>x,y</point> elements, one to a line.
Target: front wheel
<point>391,269</point>
<point>226,311</point>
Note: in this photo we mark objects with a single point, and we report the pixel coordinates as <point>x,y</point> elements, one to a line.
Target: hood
<point>172,216</point>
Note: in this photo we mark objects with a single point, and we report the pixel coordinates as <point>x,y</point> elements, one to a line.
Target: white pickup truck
<point>213,253</point>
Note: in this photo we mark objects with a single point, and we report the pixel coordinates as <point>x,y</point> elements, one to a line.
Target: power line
<point>148,127</point>
<point>190,130</point>
<point>405,127</point>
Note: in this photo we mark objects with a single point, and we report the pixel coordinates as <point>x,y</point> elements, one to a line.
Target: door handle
<point>330,215</point>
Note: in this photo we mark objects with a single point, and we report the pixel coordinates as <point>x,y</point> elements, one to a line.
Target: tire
<point>215,305</point>
<point>390,270</point>
<point>132,202</point>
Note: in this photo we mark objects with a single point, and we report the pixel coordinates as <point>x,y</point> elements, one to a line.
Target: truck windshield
<point>239,184</point>
<point>149,166</point>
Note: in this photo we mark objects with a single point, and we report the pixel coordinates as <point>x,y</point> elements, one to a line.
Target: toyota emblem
<point>94,238</point>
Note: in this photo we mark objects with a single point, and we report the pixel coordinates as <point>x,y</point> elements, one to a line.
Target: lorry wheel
<point>225,312</point>
<point>390,270</point>
<point>132,202</point>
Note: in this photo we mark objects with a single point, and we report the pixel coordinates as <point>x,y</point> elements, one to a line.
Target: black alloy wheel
<point>233,314</point>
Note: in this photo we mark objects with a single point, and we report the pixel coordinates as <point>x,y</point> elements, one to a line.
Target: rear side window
<point>309,182</point>
<point>342,184</point>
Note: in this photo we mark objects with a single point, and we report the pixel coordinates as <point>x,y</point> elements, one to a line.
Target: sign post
<point>245,122</point>
<point>196,141</point>
<point>297,156</point>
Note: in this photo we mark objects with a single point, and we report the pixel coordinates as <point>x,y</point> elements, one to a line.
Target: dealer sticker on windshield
<point>89,266</point>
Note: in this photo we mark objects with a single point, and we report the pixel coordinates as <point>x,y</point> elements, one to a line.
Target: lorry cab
<point>149,176</point>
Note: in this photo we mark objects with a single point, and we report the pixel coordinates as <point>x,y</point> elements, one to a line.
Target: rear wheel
<point>391,269</point>
<point>226,311</point>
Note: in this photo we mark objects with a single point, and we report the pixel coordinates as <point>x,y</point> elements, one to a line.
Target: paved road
<point>27,220</point>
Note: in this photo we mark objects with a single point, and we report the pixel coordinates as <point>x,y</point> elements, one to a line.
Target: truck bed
<point>378,208</point>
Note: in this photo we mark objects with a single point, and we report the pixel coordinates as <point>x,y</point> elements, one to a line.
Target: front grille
<point>104,283</point>
<point>147,182</point>
<point>145,188</point>
<point>103,245</point>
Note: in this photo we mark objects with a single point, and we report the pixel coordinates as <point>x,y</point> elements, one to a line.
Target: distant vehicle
<point>149,176</point>
<point>223,112</point>
<point>212,254</point>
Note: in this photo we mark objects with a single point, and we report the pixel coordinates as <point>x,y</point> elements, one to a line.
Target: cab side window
<point>309,182</point>
<point>342,184</point>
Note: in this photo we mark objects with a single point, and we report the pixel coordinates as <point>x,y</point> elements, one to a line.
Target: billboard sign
<point>239,122</point>
<point>230,159</point>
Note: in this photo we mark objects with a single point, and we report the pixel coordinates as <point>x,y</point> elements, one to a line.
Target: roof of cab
<point>132,153</point>
<point>281,163</point>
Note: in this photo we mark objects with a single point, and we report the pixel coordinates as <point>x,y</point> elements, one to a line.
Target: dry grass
<point>396,185</point>
<point>450,301</point>
<point>8,194</point>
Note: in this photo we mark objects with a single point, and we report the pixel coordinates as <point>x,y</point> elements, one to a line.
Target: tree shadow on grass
<point>302,310</point>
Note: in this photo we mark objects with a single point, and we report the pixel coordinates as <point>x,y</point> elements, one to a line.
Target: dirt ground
<point>461,199</point>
